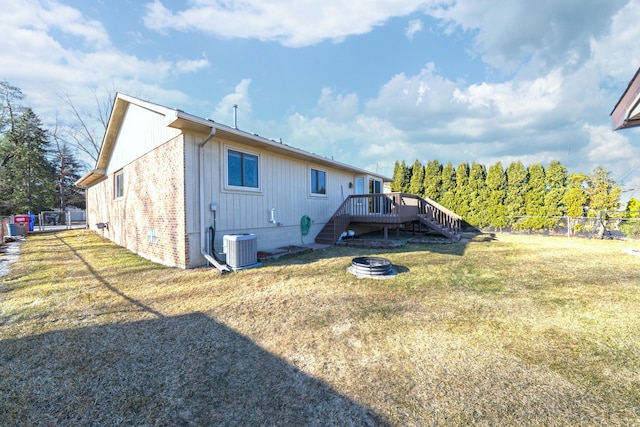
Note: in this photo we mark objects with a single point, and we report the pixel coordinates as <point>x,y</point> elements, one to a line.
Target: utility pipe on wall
<point>203,241</point>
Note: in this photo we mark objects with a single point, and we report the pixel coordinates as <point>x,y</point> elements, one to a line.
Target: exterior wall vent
<point>241,251</point>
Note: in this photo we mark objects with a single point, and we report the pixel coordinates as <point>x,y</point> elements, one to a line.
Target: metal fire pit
<point>371,267</point>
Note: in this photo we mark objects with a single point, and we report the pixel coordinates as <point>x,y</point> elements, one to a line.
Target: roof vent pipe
<point>235,116</point>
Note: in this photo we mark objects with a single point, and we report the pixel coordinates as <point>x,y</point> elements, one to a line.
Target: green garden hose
<point>305,225</point>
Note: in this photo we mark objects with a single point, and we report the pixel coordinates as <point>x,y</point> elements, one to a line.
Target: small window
<point>152,236</point>
<point>242,169</point>
<point>119,185</point>
<point>318,182</point>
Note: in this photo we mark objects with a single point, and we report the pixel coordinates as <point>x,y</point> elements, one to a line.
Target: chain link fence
<point>609,225</point>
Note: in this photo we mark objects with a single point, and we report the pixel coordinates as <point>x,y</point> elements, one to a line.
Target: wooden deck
<point>390,211</point>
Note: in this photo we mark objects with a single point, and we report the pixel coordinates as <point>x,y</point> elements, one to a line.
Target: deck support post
<point>386,233</point>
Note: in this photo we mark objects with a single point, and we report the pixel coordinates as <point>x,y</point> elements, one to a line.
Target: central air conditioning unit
<point>241,250</point>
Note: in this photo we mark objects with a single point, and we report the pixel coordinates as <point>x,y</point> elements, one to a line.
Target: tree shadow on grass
<point>185,370</point>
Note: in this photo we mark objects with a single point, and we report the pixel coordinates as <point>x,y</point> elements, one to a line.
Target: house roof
<point>190,123</point>
<point>626,113</point>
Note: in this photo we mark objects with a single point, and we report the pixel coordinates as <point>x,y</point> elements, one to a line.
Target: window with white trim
<point>119,185</point>
<point>318,182</point>
<point>242,169</point>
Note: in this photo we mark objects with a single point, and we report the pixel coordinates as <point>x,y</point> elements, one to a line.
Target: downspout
<point>203,245</point>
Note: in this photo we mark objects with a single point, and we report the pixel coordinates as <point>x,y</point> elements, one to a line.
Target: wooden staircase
<point>390,210</point>
<point>439,228</point>
<point>332,230</point>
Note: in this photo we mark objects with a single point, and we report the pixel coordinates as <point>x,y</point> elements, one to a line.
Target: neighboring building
<point>165,179</point>
<point>626,113</point>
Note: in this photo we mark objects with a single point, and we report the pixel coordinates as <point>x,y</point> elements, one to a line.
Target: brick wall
<point>150,219</point>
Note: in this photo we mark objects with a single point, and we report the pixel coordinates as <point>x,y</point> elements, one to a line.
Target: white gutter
<point>203,245</point>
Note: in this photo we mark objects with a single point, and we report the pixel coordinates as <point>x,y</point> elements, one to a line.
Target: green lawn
<point>511,330</point>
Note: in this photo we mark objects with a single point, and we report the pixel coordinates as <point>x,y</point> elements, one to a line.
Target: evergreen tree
<point>497,191</point>
<point>516,190</point>
<point>633,208</point>
<point>631,227</point>
<point>603,195</point>
<point>433,180</point>
<point>534,198</point>
<point>398,176</point>
<point>417,178</point>
<point>556,182</point>
<point>28,174</point>
<point>406,180</point>
<point>477,196</point>
<point>603,192</point>
<point>402,177</point>
<point>461,202</point>
<point>448,187</point>
<point>575,200</point>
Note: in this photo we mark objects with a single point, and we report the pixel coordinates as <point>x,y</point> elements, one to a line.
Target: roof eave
<point>91,178</point>
<point>186,121</point>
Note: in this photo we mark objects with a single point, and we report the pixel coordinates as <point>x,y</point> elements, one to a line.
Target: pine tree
<point>575,200</point>
<point>448,187</point>
<point>603,192</point>
<point>516,190</point>
<point>633,208</point>
<point>534,198</point>
<point>433,180</point>
<point>477,196</point>
<point>417,178</point>
<point>497,191</point>
<point>29,174</point>
<point>631,228</point>
<point>398,176</point>
<point>556,183</point>
<point>461,202</point>
<point>406,180</point>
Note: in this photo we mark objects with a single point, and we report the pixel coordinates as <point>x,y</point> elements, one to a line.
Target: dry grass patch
<point>508,331</point>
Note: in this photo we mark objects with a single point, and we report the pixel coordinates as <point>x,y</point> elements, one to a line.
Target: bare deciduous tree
<point>86,129</point>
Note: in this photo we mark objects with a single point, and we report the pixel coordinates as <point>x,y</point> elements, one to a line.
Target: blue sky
<point>363,82</point>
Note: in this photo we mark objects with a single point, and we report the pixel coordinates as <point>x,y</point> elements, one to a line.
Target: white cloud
<point>616,54</point>
<point>43,57</point>
<point>223,112</point>
<point>511,34</point>
<point>338,107</point>
<point>33,16</point>
<point>191,65</point>
<point>414,26</point>
<point>364,142</point>
<point>293,24</point>
<point>410,101</point>
<point>552,73</point>
<point>514,103</point>
<point>606,146</point>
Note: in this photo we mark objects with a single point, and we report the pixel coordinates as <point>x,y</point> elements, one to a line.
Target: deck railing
<point>398,208</point>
